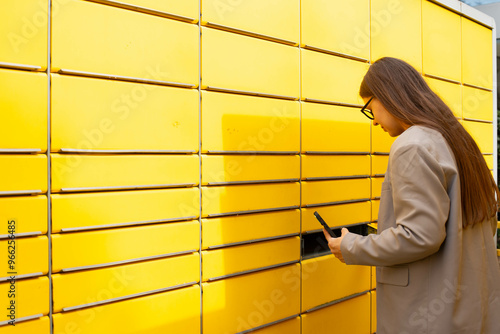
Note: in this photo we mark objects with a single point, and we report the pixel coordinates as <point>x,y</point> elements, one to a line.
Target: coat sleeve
<point>421,207</point>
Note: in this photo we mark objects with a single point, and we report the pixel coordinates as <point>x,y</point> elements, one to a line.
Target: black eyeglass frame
<point>366,112</point>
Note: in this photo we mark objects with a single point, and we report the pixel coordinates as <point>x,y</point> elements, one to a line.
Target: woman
<point>437,270</point>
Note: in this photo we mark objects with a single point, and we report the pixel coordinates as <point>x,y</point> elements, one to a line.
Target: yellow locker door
<point>482,134</point>
<point>336,215</point>
<point>186,10</point>
<point>477,104</point>
<point>23,174</point>
<point>335,191</point>
<point>477,53</point>
<point>329,166</point>
<point>31,299</point>
<point>38,326</point>
<point>449,92</point>
<point>30,213</point>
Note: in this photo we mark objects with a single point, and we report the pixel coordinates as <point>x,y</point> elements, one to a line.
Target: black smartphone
<point>322,222</point>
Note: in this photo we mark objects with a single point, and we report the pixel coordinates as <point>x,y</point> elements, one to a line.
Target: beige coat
<point>433,276</point>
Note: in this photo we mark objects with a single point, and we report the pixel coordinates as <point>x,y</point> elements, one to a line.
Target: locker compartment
<point>28,255</point>
<point>375,208</point>
<point>243,63</point>
<point>24,32</point>
<point>489,161</point>
<point>373,282</point>
<point>331,78</point>
<point>477,63</point>
<point>38,326</point>
<point>30,214</point>
<point>441,42</point>
<point>352,316</point>
<point>228,261</point>
<point>482,134</point>
<point>249,301</point>
<point>185,9</point>
<point>277,19</point>
<point>325,166</point>
<point>31,298</point>
<point>379,164</point>
<point>289,326</point>
<point>450,93</point>
<point>121,38</point>
<point>23,125</point>
<point>102,248</point>
<point>241,198</point>
<point>249,124</point>
<point>396,30</point>
<point>119,281</point>
<point>238,229</point>
<point>319,192</point>
<point>373,311</point>
<point>95,114</point>
<point>112,209</point>
<point>477,104</point>
<point>381,141</point>
<point>327,128</point>
<point>249,168</point>
<point>376,186</point>
<point>335,279</point>
<point>23,174</point>
<point>79,172</point>
<point>321,22</point>
<point>336,215</point>
<point>175,311</point>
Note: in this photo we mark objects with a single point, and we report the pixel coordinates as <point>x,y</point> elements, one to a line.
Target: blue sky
<point>479,2</point>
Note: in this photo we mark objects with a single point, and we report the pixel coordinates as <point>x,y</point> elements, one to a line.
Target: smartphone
<point>327,228</point>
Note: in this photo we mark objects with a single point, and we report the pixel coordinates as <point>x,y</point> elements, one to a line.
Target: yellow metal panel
<point>482,134</point>
<point>72,250</point>
<point>30,213</point>
<point>477,63</point>
<point>477,104</point>
<point>227,230</point>
<point>336,215</point>
<point>38,326</point>
<point>175,311</point>
<point>227,261</point>
<point>113,115</point>
<point>289,327</point>
<point>109,171</point>
<point>28,256</point>
<point>334,165</point>
<point>31,298</point>
<point>376,186</point>
<point>245,63</point>
<point>351,316</point>
<point>123,207</point>
<point>217,200</point>
<point>23,172</point>
<point>237,168</point>
<point>450,93</point>
<point>24,96</point>
<point>114,282</point>
<point>244,302</point>
<point>336,280</point>
<point>334,129</point>
<point>331,78</point>
<point>185,8</point>
<point>375,208</point>
<point>278,18</point>
<point>379,164</point>
<point>374,277</point>
<point>321,22</point>
<point>248,124</point>
<point>489,160</point>
<point>441,42</point>
<point>374,311</point>
<point>109,46</point>
<point>24,32</point>
<point>381,141</point>
<point>396,30</point>
<point>316,192</point>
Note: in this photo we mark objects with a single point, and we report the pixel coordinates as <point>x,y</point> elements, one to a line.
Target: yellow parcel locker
<point>328,166</point>
<point>249,198</point>
<point>106,284</point>
<point>477,104</point>
<point>441,42</point>
<point>376,186</point>
<point>241,303</point>
<point>489,161</point>
<point>23,174</point>
<point>331,78</point>
<point>74,251</point>
<point>379,164</point>
<point>29,256</point>
<point>228,261</point>
<point>375,208</point>
<point>278,19</point>
<point>381,141</point>
<point>321,22</point>
<point>87,172</point>
<point>31,298</point>
<point>175,311</point>
<point>335,279</point>
<point>242,63</point>
<point>482,134</point>
<point>113,209</point>
<point>130,44</point>
<point>95,114</point>
<point>450,93</point>
<point>187,10</point>
<point>235,229</point>
<point>336,215</point>
<point>29,214</point>
<point>23,124</point>
<point>24,32</point>
<point>38,326</point>
<point>396,30</point>
<point>477,53</point>
<point>249,124</point>
<point>332,191</point>
<point>327,128</point>
<point>289,327</point>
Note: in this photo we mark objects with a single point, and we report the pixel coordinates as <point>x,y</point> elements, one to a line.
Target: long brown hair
<point>406,95</point>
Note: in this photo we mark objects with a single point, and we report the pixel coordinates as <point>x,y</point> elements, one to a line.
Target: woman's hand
<point>334,243</point>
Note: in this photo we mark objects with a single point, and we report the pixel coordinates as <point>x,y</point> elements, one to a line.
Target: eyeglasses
<point>366,112</point>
